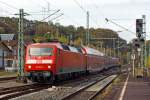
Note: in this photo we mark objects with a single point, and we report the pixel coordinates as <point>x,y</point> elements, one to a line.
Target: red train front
<point>40,61</point>
<point>47,61</point>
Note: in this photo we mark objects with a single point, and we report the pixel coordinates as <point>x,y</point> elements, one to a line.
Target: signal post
<point>141,46</point>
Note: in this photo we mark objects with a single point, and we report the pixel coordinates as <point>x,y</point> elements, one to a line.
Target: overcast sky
<point>123,12</point>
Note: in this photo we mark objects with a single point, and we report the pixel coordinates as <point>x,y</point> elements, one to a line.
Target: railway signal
<point>136,43</point>
<point>139,27</point>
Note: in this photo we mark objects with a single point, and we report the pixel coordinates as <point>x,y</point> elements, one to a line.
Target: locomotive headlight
<point>29,67</point>
<point>49,67</point>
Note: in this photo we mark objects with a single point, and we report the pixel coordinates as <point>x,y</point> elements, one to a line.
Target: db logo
<point>38,61</point>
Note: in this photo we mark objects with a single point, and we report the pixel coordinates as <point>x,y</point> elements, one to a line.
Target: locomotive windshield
<point>41,51</point>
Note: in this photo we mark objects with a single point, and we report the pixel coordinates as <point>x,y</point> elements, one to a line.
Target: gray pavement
<point>137,89</point>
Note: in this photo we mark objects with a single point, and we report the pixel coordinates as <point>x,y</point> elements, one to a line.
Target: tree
<point>2,30</point>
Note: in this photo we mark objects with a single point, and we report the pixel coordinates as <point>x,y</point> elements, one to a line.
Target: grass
<point>108,90</point>
<point>4,73</point>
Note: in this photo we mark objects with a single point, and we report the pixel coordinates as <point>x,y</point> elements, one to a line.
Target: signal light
<point>142,39</point>
<point>137,45</point>
<point>139,27</point>
<point>139,35</point>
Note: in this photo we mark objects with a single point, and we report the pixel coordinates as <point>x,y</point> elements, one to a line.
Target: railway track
<point>61,91</point>
<point>64,90</point>
<point>12,92</point>
<point>91,90</point>
<point>7,78</point>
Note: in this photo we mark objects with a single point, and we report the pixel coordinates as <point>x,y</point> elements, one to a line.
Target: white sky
<point>123,12</point>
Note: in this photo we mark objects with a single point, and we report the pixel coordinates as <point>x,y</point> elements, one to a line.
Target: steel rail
<point>72,95</point>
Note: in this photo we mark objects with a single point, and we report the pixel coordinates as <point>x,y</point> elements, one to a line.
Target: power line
<point>84,10</point>
<point>108,20</point>
<point>9,5</point>
<point>41,11</point>
<point>69,18</point>
<point>56,17</point>
<point>123,19</point>
<point>66,15</point>
<point>79,5</point>
<point>6,11</point>
<point>37,4</point>
<point>50,15</point>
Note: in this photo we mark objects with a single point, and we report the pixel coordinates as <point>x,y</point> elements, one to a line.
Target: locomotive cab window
<point>40,51</point>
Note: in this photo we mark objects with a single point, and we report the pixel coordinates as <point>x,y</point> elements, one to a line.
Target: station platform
<point>135,89</point>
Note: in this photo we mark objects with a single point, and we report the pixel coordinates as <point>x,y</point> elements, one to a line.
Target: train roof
<point>59,45</point>
<point>93,51</point>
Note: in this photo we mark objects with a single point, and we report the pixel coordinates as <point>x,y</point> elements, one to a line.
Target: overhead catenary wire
<point>37,12</point>
<point>79,5</point>
<point>6,11</point>
<point>56,17</point>
<point>50,15</point>
<point>65,15</point>
<point>71,19</point>
<point>9,5</point>
<point>84,10</point>
<point>37,3</point>
<point>108,20</point>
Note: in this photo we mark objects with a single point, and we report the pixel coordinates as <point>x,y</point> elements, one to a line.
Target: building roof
<point>4,46</point>
<point>12,43</point>
<point>7,37</point>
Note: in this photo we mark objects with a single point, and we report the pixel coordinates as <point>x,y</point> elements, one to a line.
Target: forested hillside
<point>45,31</point>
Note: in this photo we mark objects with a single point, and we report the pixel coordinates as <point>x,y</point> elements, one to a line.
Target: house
<point>8,51</point>
<point>4,51</point>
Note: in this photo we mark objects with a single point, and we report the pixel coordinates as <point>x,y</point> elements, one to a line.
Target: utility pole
<point>110,51</point>
<point>48,7</point>
<point>118,46</point>
<point>87,30</point>
<point>104,50</point>
<point>101,46</point>
<point>21,44</point>
<point>133,63</point>
<point>144,32</point>
<point>114,48</point>
<point>44,12</point>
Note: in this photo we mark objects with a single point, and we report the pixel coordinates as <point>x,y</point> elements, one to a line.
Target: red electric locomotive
<point>46,61</point>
